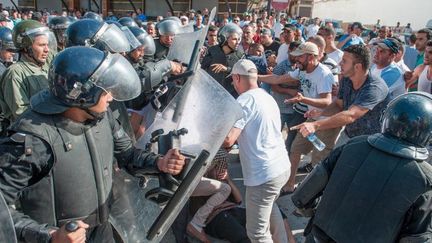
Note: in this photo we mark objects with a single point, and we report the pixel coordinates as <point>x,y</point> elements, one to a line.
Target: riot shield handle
<point>168,183</point>
<point>71,226</point>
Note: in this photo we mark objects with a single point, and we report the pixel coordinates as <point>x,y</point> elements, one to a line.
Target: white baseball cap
<point>244,67</point>
<point>305,48</point>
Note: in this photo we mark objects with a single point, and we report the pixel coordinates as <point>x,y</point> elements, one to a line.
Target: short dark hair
<point>255,46</point>
<point>429,43</point>
<point>361,55</point>
<point>412,38</point>
<point>328,30</point>
<point>426,31</point>
<point>213,28</point>
<point>293,45</point>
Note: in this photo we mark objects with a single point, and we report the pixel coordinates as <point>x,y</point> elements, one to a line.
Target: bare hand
<point>408,75</point>
<point>176,68</point>
<point>313,113</point>
<point>335,89</point>
<point>305,128</point>
<point>217,68</point>
<point>298,98</point>
<point>63,236</point>
<point>172,162</point>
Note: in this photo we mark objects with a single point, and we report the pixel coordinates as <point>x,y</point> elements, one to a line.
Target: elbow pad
<point>311,187</point>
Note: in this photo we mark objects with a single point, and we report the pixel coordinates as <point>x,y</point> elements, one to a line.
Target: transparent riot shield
<point>7,229</point>
<point>187,45</point>
<point>131,213</point>
<point>208,112</point>
<point>187,28</point>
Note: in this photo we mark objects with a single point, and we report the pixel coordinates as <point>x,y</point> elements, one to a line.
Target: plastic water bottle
<point>319,145</point>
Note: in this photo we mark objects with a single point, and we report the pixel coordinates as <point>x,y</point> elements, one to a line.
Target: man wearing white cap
<point>316,82</point>
<point>263,156</point>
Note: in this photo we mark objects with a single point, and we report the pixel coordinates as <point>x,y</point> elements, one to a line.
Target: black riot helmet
<point>145,40</point>
<point>92,15</point>
<point>6,42</point>
<point>409,118</point>
<point>128,21</point>
<point>90,32</point>
<point>58,25</point>
<point>79,75</point>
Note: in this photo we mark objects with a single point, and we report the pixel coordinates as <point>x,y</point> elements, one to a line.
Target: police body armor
<point>83,161</point>
<point>226,60</point>
<point>375,175</point>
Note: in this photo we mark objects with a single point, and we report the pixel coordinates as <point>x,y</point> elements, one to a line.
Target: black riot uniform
<point>6,44</point>
<point>384,192</point>
<point>60,169</point>
<point>150,72</point>
<point>105,37</point>
<point>216,55</point>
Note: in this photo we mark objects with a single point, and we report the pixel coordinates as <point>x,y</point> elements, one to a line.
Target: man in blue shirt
<point>353,38</point>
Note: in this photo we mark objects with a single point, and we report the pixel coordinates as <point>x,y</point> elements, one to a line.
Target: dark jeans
<point>291,120</point>
<point>229,225</point>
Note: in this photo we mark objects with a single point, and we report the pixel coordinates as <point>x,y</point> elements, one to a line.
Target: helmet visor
<point>112,38</point>
<point>133,41</point>
<point>117,76</point>
<point>148,43</point>
<point>43,31</point>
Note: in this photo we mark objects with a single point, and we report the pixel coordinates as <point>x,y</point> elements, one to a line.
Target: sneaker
<point>307,168</point>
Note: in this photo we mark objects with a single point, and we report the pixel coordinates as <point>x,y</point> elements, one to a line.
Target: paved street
<point>297,224</point>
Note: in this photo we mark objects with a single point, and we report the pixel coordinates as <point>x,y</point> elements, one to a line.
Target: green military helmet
<point>25,32</point>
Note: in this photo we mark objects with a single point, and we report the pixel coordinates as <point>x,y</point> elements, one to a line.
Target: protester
<point>377,187</point>
<point>264,163</point>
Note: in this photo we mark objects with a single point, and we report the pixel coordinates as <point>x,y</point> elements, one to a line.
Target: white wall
<point>416,12</point>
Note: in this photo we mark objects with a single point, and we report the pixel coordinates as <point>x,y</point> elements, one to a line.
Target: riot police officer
<point>221,58</point>
<point>36,46</point>
<point>384,192</point>
<point>167,29</point>
<point>7,49</point>
<point>128,21</point>
<point>92,15</point>
<point>58,25</point>
<point>7,53</point>
<point>151,73</point>
<point>59,160</point>
<point>103,36</point>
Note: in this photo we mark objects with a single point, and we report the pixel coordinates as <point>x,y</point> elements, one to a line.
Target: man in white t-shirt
<point>312,29</point>
<point>288,35</point>
<point>385,67</point>
<point>316,82</point>
<point>263,155</point>
<point>329,34</point>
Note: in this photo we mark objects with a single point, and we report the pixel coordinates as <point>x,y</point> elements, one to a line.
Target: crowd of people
<point>79,89</point>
